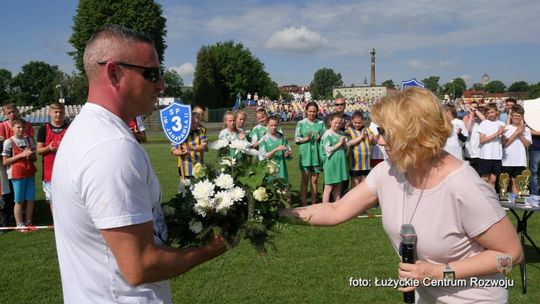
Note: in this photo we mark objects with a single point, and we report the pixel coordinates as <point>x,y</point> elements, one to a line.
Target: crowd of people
<point>17,170</point>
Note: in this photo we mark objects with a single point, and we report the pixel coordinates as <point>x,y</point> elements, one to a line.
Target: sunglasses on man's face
<point>152,74</point>
<point>339,104</point>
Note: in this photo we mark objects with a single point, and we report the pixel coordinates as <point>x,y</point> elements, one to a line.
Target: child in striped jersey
<point>191,151</point>
<point>360,139</point>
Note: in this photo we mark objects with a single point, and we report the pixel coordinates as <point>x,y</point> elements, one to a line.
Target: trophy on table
<point>504,180</point>
<point>522,182</point>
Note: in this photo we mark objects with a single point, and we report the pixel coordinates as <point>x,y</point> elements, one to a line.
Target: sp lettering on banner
<point>176,122</point>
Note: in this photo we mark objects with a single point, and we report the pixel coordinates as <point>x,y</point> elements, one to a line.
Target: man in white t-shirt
<point>490,130</point>
<point>517,138</point>
<point>109,227</point>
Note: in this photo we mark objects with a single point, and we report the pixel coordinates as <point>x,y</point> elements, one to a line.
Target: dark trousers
<point>6,208</point>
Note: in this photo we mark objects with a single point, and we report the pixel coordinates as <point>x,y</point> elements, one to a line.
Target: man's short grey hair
<point>110,41</point>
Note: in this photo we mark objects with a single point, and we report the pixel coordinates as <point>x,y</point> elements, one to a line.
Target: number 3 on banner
<point>177,124</point>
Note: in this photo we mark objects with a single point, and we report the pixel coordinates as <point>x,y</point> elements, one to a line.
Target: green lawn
<point>313,265</point>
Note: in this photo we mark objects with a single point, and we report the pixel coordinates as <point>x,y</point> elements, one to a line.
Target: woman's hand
<point>419,271</point>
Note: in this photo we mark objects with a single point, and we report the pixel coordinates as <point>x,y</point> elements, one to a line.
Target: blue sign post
<point>411,83</point>
<point>176,122</point>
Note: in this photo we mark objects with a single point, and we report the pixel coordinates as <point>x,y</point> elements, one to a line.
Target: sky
<point>294,39</point>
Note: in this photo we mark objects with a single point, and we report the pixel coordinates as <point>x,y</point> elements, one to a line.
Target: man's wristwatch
<point>448,273</point>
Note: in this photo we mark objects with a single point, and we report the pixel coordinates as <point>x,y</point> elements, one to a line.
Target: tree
<point>36,83</point>
<point>141,15</point>
<point>519,86</point>
<point>477,87</point>
<point>455,87</point>
<point>323,83</point>
<point>534,91</point>
<point>173,84</point>
<point>389,84</point>
<point>5,80</point>
<point>495,86</point>
<point>225,69</point>
<point>432,83</point>
<point>75,88</point>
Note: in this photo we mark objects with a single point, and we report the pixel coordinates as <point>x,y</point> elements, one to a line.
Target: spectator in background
<point>472,146</point>
<point>19,157</point>
<point>505,116</point>
<point>534,160</point>
<point>308,135</point>
<point>275,146</point>
<point>6,131</point>
<point>191,151</point>
<point>516,140</point>
<point>490,131</point>
<point>48,140</point>
<point>359,143</point>
<point>459,133</point>
<point>335,166</point>
<point>377,151</point>
<point>137,129</point>
<point>339,108</point>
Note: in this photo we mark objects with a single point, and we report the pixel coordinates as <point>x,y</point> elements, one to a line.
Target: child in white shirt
<point>490,130</point>
<point>517,137</point>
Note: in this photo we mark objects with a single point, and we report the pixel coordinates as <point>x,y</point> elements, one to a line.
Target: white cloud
<point>417,64</point>
<point>186,69</point>
<point>295,39</point>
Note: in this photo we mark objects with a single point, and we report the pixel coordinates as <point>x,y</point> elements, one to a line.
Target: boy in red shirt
<point>19,157</point>
<point>48,140</point>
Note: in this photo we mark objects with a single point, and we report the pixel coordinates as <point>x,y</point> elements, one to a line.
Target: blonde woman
<point>459,222</point>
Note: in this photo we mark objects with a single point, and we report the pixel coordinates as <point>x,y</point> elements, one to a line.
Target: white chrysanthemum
<point>203,189</point>
<point>237,194</point>
<point>218,144</point>
<point>224,181</point>
<point>239,144</point>
<point>203,205</point>
<point>228,161</point>
<point>186,182</point>
<point>222,201</point>
<point>260,194</point>
<point>195,226</point>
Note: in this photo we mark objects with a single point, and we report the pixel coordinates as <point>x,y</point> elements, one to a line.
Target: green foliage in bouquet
<point>235,199</point>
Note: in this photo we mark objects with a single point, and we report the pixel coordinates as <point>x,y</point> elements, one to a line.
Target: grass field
<point>313,265</point>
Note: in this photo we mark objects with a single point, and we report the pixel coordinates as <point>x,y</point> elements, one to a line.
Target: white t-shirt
<point>493,148</point>
<point>447,219</point>
<point>377,152</point>
<point>472,146</point>
<point>515,155</point>
<point>453,146</point>
<point>102,178</point>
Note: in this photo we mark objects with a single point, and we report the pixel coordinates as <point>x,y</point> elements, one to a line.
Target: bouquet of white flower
<point>235,200</point>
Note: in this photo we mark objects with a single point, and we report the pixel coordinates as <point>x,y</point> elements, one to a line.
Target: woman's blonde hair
<point>416,129</point>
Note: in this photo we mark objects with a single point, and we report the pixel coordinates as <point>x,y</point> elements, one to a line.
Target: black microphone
<point>407,249</point>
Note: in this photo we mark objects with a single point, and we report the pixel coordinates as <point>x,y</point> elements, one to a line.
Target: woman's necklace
<point>419,197</point>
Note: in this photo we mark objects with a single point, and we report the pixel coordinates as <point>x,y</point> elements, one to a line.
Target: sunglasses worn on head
<point>152,74</point>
